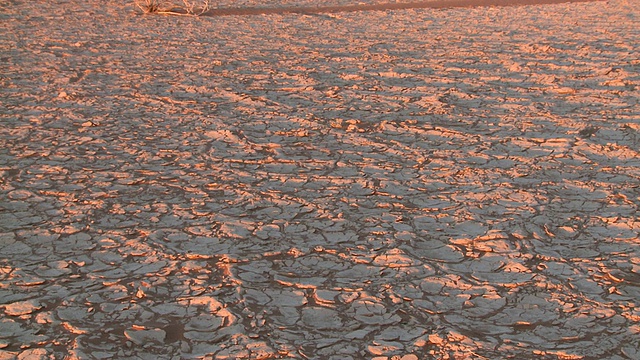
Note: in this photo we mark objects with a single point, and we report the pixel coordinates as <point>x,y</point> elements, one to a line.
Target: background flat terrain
<point>413,184</point>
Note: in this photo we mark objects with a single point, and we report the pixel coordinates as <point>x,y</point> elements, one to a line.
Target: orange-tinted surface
<point>400,184</point>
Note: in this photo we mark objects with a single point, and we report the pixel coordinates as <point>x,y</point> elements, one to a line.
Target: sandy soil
<point>225,8</point>
<point>420,183</point>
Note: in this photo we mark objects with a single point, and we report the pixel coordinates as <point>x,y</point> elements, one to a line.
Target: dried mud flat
<point>401,184</point>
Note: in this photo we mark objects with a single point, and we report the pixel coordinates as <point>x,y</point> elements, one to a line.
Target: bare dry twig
<point>192,7</point>
<point>148,6</point>
<point>186,7</point>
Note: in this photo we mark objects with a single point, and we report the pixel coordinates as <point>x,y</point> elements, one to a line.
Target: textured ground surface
<point>411,184</point>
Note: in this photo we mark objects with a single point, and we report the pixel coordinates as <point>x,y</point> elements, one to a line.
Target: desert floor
<point>457,183</point>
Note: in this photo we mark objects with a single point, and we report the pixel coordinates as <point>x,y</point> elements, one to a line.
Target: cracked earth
<point>457,183</point>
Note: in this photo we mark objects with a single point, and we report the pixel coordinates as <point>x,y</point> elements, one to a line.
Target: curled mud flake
<point>384,348</point>
<point>204,323</point>
<point>22,307</point>
<point>141,336</point>
<point>394,259</point>
<point>19,194</point>
<point>321,318</point>
<point>73,329</point>
<point>39,354</point>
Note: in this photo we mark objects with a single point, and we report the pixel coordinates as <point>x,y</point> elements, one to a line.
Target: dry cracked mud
<point>457,183</point>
